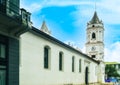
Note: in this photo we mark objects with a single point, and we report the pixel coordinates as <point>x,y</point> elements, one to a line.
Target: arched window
<point>73,63</point>
<point>46,57</point>
<point>93,35</point>
<point>60,61</point>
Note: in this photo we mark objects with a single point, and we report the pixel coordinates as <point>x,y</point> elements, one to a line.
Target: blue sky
<point>67,20</point>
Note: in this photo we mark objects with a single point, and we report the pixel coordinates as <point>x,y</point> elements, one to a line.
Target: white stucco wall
<point>32,70</point>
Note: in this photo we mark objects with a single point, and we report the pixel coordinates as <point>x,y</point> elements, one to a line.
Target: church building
<point>45,60</point>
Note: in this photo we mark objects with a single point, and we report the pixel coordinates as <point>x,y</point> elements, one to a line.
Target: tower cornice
<point>94,43</point>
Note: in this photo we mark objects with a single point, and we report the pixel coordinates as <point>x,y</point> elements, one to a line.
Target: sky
<point>67,20</point>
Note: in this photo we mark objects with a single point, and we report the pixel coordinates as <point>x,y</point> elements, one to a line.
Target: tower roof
<point>44,28</point>
<point>95,19</point>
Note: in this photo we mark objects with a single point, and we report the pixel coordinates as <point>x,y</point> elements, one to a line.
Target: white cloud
<point>113,52</point>
<point>108,10</point>
<point>66,3</point>
<point>34,7</point>
<point>37,6</point>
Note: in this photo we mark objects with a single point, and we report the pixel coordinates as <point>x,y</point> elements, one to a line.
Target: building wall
<point>10,62</point>
<point>13,62</point>
<point>32,70</point>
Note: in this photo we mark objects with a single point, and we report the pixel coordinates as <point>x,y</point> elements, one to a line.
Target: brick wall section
<point>13,62</point>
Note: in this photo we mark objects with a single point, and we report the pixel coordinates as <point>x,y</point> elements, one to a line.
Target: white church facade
<point>45,60</point>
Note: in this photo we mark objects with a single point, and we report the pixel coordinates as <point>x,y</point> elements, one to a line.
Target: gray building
<point>13,22</point>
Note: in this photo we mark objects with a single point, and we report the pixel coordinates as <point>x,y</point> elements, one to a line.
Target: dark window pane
<point>46,55</point>
<point>93,36</point>
<point>2,51</point>
<point>2,77</point>
<point>13,6</point>
<point>93,56</point>
<point>3,6</point>
<point>2,67</point>
<point>60,61</point>
<point>72,64</point>
<point>80,65</point>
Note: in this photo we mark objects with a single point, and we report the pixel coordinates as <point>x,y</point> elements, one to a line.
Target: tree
<point>111,71</point>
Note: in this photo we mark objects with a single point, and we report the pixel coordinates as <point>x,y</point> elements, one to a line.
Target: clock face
<point>93,48</point>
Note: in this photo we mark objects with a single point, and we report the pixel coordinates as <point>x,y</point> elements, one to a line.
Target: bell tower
<point>95,38</point>
<point>95,44</point>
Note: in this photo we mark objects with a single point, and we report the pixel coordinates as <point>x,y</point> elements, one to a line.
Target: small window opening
<point>93,25</point>
<point>93,56</point>
<point>93,35</point>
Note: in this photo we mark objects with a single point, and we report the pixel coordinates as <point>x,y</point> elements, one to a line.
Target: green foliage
<point>111,71</point>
